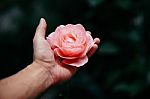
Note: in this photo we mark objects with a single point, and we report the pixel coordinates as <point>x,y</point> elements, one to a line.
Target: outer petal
<point>88,45</point>
<point>76,62</point>
<point>61,55</point>
<point>90,41</point>
<point>81,28</point>
<point>54,38</point>
<point>77,29</point>
<point>73,51</point>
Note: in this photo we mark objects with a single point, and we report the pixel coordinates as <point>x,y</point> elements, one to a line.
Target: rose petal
<point>76,29</point>
<point>69,53</point>
<point>71,43</point>
<point>61,55</point>
<point>88,45</point>
<point>55,38</point>
<point>76,62</point>
<point>90,41</point>
<point>52,40</point>
<point>80,27</point>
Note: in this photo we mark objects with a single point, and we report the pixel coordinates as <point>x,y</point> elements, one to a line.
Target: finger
<point>88,32</point>
<point>41,29</point>
<point>92,50</point>
<point>96,41</point>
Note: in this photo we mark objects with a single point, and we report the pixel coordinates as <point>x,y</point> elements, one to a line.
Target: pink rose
<point>71,43</point>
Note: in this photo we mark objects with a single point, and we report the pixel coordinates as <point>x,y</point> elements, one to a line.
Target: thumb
<point>41,29</point>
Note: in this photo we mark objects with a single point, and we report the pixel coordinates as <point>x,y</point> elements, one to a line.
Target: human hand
<point>44,72</point>
<point>44,56</point>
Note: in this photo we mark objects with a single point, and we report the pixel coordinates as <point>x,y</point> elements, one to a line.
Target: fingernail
<point>89,32</point>
<point>41,21</point>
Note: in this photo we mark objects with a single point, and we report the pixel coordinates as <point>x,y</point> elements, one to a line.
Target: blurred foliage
<point>120,69</point>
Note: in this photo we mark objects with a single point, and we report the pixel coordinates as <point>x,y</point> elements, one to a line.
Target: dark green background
<point>120,69</point>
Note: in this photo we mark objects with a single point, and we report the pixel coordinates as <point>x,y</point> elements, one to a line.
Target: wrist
<point>44,68</point>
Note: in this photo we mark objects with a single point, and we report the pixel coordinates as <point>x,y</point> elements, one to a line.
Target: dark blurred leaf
<point>95,3</point>
<point>137,65</point>
<point>109,48</point>
<point>131,89</point>
<point>138,20</point>
<point>134,36</point>
<point>125,4</point>
<point>112,77</point>
<point>148,78</point>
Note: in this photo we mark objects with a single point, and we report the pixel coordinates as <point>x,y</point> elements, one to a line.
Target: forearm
<point>26,84</point>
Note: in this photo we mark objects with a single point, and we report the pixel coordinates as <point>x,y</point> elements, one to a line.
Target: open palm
<point>44,56</point>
